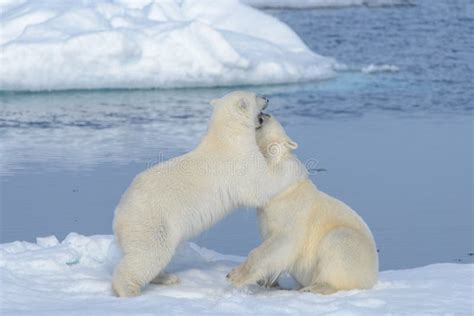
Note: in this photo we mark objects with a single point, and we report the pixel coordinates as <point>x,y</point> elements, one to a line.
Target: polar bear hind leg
<point>143,261</point>
<point>347,260</point>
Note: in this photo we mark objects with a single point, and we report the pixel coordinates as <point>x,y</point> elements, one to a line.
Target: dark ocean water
<point>396,146</point>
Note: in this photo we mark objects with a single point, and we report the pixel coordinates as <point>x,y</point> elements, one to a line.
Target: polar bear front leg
<point>272,257</point>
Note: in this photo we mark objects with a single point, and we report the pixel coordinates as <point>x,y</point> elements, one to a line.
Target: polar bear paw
<point>240,276</point>
<point>320,288</point>
<point>269,284</point>
<point>166,279</point>
<point>125,289</point>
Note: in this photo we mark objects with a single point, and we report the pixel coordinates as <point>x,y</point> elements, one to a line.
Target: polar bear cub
<point>320,241</point>
<point>176,200</point>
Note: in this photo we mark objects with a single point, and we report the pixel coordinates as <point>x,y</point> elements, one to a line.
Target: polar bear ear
<point>214,102</point>
<point>243,104</point>
<point>291,144</point>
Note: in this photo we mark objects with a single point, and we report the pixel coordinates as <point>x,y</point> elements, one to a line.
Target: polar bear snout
<point>262,102</point>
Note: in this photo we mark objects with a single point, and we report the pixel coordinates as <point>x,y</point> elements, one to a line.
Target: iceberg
<point>73,277</point>
<point>115,44</point>
<point>375,68</point>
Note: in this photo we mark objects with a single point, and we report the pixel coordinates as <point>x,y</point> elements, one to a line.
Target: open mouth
<point>261,119</point>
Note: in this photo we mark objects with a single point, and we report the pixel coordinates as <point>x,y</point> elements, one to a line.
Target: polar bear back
<point>312,211</point>
<point>182,189</point>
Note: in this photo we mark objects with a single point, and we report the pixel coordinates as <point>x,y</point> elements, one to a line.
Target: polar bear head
<point>239,108</point>
<point>272,139</point>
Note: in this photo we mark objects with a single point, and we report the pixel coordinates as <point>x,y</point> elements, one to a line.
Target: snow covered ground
<point>57,45</point>
<point>73,278</point>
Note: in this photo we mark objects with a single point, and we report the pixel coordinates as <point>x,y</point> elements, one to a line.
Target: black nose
<point>266,100</point>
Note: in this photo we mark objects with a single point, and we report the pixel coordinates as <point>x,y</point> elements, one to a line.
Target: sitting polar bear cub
<point>178,199</point>
<point>320,241</point>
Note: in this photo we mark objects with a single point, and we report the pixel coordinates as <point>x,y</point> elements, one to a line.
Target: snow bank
<point>308,4</point>
<point>73,278</point>
<point>56,45</point>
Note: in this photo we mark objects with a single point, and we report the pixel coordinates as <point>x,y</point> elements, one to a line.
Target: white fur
<point>178,199</point>
<point>316,238</point>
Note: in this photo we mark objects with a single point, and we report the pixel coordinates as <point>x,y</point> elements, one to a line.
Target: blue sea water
<point>396,146</point>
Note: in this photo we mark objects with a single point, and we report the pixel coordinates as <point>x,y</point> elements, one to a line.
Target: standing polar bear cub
<point>320,241</point>
<point>178,199</point>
